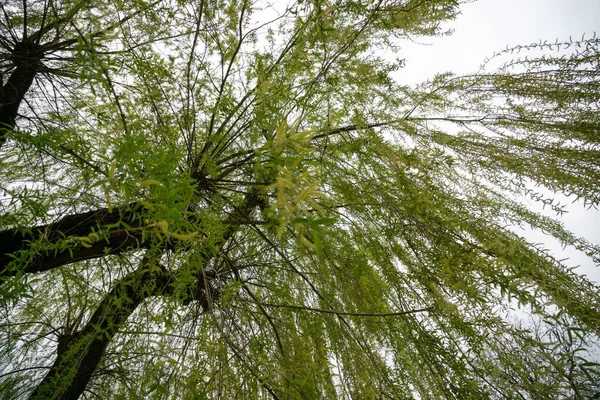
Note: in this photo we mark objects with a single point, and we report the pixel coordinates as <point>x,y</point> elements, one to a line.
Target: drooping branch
<point>353,314</point>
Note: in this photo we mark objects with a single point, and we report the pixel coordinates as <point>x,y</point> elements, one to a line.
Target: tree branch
<point>355,314</point>
<point>80,353</point>
<point>15,241</point>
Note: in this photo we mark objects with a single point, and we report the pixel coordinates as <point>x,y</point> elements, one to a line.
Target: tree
<point>220,199</point>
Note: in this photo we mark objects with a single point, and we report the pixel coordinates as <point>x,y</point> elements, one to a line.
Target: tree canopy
<point>234,199</point>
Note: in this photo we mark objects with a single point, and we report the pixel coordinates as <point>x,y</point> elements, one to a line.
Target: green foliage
<point>224,199</point>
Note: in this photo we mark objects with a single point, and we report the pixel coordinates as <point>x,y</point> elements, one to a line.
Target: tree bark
<point>114,239</point>
<point>27,59</point>
<point>78,355</point>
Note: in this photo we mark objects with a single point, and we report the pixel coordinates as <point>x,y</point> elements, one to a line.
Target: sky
<point>488,26</point>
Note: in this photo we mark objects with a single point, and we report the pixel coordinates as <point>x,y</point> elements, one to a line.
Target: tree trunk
<point>27,61</point>
<point>113,239</point>
<point>78,355</point>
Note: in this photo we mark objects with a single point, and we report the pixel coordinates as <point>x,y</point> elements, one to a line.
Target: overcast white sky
<point>487,26</point>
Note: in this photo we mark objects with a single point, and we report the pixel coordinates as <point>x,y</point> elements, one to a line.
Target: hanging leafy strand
<point>227,199</point>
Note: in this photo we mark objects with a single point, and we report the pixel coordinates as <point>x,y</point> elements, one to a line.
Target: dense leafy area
<point>229,199</point>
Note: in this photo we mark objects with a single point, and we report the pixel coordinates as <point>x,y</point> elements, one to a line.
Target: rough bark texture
<point>27,61</point>
<point>78,355</point>
<point>114,239</point>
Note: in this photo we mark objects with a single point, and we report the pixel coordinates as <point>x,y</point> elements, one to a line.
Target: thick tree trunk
<point>27,56</point>
<point>27,59</point>
<point>78,355</point>
<point>113,239</point>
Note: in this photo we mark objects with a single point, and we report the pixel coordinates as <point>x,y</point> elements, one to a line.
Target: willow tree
<point>221,199</point>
